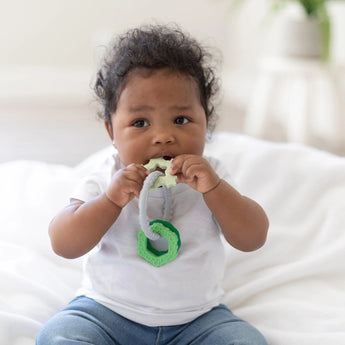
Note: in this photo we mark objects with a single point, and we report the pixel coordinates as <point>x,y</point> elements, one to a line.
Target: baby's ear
<point>109,129</point>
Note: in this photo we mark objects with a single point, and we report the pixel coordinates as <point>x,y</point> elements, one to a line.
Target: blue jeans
<point>85,321</point>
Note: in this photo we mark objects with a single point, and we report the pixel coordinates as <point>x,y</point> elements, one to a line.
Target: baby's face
<point>158,115</point>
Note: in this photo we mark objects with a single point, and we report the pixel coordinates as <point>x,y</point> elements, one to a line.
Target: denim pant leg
<point>217,327</point>
<point>85,321</point>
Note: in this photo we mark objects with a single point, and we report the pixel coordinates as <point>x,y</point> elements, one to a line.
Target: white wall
<point>50,51</point>
<point>64,32</point>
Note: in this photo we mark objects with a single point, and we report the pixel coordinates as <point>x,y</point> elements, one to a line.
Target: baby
<point>156,88</point>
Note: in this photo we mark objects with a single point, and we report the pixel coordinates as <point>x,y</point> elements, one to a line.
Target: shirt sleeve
<point>223,174</point>
<point>220,169</point>
<point>88,189</point>
<point>95,183</point>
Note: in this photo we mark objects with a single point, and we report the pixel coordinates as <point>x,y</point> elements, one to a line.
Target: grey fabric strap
<point>143,198</point>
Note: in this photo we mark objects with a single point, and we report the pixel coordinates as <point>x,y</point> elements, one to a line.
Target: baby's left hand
<point>195,171</point>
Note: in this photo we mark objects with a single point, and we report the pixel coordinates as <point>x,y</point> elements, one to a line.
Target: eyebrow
<point>141,108</point>
<point>181,108</point>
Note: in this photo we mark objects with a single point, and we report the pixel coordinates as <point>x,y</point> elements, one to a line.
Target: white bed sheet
<point>292,289</point>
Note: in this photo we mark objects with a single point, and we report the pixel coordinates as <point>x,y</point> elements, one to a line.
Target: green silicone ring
<point>155,257</point>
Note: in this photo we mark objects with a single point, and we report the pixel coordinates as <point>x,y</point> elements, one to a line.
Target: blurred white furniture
<point>305,96</point>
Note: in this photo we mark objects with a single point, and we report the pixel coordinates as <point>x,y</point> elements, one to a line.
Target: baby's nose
<point>164,137</point>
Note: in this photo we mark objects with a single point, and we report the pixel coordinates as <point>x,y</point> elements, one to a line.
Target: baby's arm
<point>243,221</point>
<point>80,226</point>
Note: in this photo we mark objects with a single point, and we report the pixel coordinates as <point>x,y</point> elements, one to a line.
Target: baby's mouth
<point>165,157</point>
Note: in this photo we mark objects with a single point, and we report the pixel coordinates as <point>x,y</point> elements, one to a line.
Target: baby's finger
<point>177,164</point>
<point>132,187</point>
<point>135,174</point>
<point>138,168</point>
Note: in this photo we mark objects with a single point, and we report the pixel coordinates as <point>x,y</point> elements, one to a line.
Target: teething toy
<point>167,180</point>
<point>156,257</point>
<point>157,229</point>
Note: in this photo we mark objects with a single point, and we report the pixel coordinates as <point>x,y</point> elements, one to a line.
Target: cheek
<point>202,139</point>
<point>118,136</point>
<point>196,142</point>
<point>131,150</point>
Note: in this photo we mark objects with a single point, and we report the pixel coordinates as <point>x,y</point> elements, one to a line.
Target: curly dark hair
<point>154,47</point>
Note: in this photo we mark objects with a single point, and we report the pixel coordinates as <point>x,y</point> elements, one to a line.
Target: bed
<point>292,289</point>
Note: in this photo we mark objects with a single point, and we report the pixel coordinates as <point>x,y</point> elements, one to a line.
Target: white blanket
<point>292,289</point>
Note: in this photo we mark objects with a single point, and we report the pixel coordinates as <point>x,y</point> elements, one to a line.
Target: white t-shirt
<point>175,293</point>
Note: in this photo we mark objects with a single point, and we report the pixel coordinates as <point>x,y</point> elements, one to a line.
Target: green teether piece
<point>155,257</point>
<point>166,180</point>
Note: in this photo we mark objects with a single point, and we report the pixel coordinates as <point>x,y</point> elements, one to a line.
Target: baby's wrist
<point>214,187</point>
<point>110,200</point>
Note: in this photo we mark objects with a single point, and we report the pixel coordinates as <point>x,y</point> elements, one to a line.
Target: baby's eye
<point>140,123</point>
<point>181,120</point>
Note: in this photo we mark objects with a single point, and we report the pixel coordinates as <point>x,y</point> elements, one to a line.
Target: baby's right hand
<point>126,184</point>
